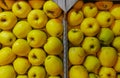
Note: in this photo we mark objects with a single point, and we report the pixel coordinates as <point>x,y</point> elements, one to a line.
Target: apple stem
<point>19,7</point>
<point>3,20</point>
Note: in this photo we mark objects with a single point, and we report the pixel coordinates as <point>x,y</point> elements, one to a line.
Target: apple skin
<point>37,18</point>
<point>105,18</point>
<point>51,9</point>
<point>22,76</point>
<point>7,20</point>
<point>75,17</point>
<point>75,36</point>
<point>21,9</point>
<point>89,9</point>
<point>116,43</point>
<point>54,77</point>
<point>93,75</point>
<point>78,5</point>
<point>117,65</point>
<point>90,26</point>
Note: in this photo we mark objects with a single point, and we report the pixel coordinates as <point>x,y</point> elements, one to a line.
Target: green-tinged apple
<point>53,46</point>
<point>116,43</point>
<point>105,18</point>
<point>7,71</point>
<point>21,29</point>
<point>36,38</point>
<point>37,56</point>
<point>7,38</point>
<point>22,76</point>
<point>54,77</point>
<point>107,72</point>
<point>92,64</point>
<point>21,9</point>
<point>37,72</point>
<point>75,17</point>
<point>90,26</point>
<point>115,10</point>
<point>6,56</point>
<point>78,71</point>
<point>20,47</point>
<point>51,9</point>
<point>115,27</point>
<point>89,9</point>
<point>78,5</point>
<point>105,36</point>
<point>117,65</point>
<point>53,65</point>
<point>76,55</point>
<point>118,75</point>
<point>21,65</point>
<point>107,56</point>
<point>7,20</point>
<point>75,36</point>
<point>37,18</point>
<point>93,75</point>
<point>91,45</point>
<point>54,27</point>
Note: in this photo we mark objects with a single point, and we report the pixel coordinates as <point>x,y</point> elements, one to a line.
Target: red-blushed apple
<point>78,5</point>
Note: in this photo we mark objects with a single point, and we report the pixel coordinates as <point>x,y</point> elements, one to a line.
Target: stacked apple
<point>31,39</point>
<point>94,40</point>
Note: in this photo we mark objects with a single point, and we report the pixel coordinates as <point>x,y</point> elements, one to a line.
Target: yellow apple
<point>21,76</point>
<point>36,38</point>
<point>6,56</point>
<point>54,77</point>
<point>21,47</point>
<point>107,72</point>
<point>91,45</point>
<point>36,72</point>
<point>117,65</point>
<point>116,43</point>
<point>37,56</point>
<point>21,29</point>
<point>75,36</point>
<point>7,20</point>
<point>76,55</point>
<point>53,65</point>
<point>93,75</point>
<point>78,71</point>
<point>74,17</point>
<point>107,56</point>
<point>37,18</point>
<point>21,65</point>
<point>118,75</point>
<point>7,71</point>
<point>89,9</point>
<point>105,18</point>
<point>21,9</point>
<point>90,26</point>
<point>54,27</point>
<point>78,5</point>
<point>7,38</point>
<point>53,46</point>
<point>52,9</point>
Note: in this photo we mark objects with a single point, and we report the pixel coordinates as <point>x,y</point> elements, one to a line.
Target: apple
<point>6,56</point>
<point>76,55</point>
<point>54,77</point>
<point>105,18</point>
<point>90,26</point>
<point>92,64</point>
<point>7,38</point>
<point>37,56</point>
<point>37,18</point>
<point>54,27</point>
<point>78,5</point>
<point>51,9</point>
<point>53,46</point>
<point>93,75</point>
<point>21,65</point>
<point>21,76</point>
<point>75,36</point>
<point>116,43</point>
<point>118,75</point>
<point>74,17</point>
<point>1,10</point>
<point>7,71</point>
<point>7,20</point>
<point>91,45</point>
<point>89,9</point>
<point>36,38</point>
<point>115,11</point>
<point>53,65</point>
<point>78,71</point>
<point>36,72</point>
<point>21,9</point>
<point>107,56</point>
<point>107,72</point>
<point>21,47</point>
<point>105,36</point>
<point>117,65</point>
<point>21,29</point>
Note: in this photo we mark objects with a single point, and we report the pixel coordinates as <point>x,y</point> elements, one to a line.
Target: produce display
<point>31,39</point>
<point>94,39</point>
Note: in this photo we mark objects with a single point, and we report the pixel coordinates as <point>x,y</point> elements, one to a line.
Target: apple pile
<point>94,39</point>
<point>31,33</point>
